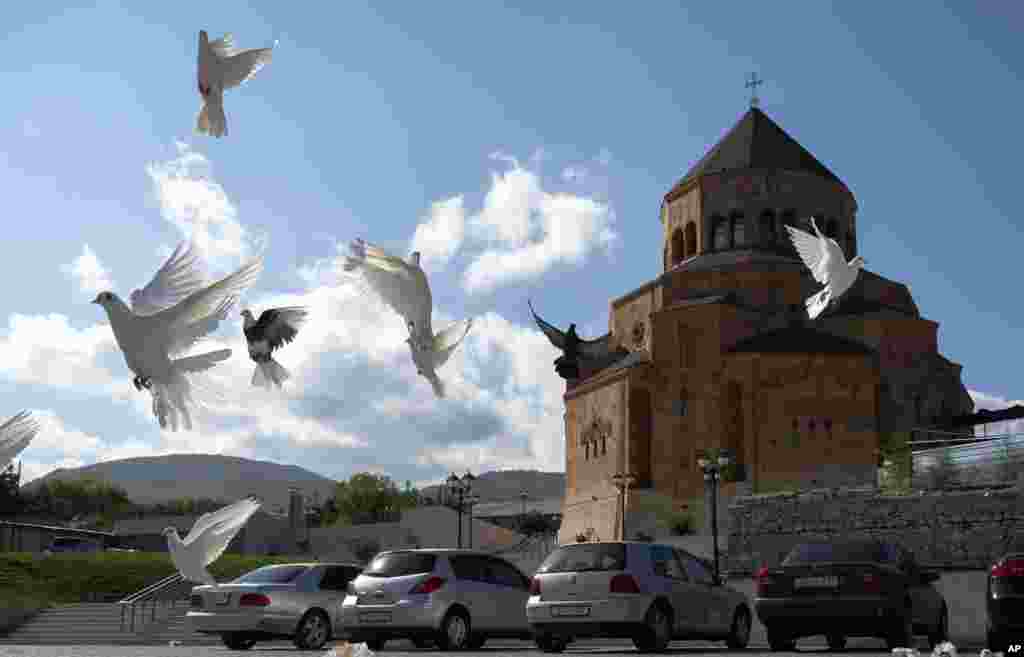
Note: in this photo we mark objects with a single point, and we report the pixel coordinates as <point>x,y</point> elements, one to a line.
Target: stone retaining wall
<point>944,529</point>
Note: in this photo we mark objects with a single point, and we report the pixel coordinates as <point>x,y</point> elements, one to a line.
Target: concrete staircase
<point>100,624</point>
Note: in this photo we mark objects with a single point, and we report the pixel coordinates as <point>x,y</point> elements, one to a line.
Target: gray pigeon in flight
<point>221,67</point>
<point>15,435</point>
<point>274,328</point>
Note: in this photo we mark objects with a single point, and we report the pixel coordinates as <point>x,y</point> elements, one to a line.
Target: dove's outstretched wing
<point>813,251</point>
<point>179,277</point>
<point>201,362</point>
<point>211,543</point>
<point>279,326</point>
<point>248,505</point>
<point>555,336</point>
<point>244,65</point>
<point>403,287</point>
<point>196,332</point>
<point>447,340</point>
<point>203,303</point>
<point>15,435</point>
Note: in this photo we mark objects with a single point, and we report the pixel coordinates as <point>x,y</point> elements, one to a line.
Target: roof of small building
<point>755,142</point>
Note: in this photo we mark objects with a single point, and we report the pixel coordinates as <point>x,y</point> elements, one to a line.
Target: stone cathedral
<point>717,351</point>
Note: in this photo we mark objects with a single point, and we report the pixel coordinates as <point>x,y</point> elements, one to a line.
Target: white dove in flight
<point>167,317</point>
<point>221,67</point>
<point>208,539</point>
<point>15,435</point>
<point>403,286</point>
<point>825,258</point>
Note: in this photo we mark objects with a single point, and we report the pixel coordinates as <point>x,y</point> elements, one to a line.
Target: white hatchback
<point>648,592</point>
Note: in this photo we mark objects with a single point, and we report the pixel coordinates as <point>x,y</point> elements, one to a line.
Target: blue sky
<point>544,135</point>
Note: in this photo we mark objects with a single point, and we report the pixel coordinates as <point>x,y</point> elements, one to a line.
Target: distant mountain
<point>161,478</point>
<point>505,485</point>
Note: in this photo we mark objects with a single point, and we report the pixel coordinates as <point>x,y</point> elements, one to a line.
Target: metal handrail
<point>152,593</point>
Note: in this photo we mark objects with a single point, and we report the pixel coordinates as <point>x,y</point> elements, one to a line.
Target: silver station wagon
<point>300,601</point>
<point>454,599</point>
<point>648,592</point>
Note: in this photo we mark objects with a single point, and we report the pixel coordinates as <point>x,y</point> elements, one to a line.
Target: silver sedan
<point>300,601</point>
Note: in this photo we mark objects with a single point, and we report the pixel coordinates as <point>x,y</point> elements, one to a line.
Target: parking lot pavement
<point>858,647</point>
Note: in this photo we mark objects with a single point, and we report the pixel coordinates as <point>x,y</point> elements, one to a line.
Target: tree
<point>10,498</point>
<point>368,494</point>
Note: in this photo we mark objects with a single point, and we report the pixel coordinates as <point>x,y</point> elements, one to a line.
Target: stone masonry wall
<point>957,530</point>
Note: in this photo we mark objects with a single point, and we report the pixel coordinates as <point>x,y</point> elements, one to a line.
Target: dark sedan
<point>1004,601</point>
<point>850,588</point>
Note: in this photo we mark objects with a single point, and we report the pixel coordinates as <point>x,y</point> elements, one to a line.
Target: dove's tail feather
<point>816,303</point>
<point>269,373</point>
<point>212,120</point>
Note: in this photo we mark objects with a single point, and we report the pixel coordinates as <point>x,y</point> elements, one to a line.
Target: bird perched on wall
<point>274,328</point>
<point>15,435</point>
<point>825,258</point>
<point>221,67</point>
<point>403,287</point>
<point>171,314</point>
<point>573,347</point>
<point>208,539</point>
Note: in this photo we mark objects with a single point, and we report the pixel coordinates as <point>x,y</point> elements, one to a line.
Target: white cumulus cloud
<point>440,234</point>
<point>89,272</point>
<point>528,230</point>
<point>995,403</point>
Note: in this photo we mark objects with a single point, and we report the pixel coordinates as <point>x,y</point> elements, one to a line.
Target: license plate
<point>575,610</point>
<point>375,617</point>
<point>828,582</point>
<point>222,598</point>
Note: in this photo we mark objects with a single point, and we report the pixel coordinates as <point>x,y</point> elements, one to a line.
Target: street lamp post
<point>460,486</point>
<point>471,501</point>
<point>712,474</point>
<point>622,481</point>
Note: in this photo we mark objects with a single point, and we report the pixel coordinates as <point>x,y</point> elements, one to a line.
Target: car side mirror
<point>929,576</point>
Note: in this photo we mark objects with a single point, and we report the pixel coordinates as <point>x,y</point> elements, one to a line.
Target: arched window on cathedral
<point>739,229</point>
<point>767,226</point>
<point>832,229</point>
<point>604,445</point>
<point>721,233</point>
<point>586,447</point>
<point>691,239</point>
<point>678,247</point>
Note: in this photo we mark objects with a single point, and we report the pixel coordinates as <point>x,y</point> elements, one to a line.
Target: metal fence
<point>990,461</point>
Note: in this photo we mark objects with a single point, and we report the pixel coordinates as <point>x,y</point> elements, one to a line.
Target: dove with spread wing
<point>222,67</point>
<point>403,286</point>
<point>275,328</point>
<point>172,313</point>
<point>825,258</point>
<point>208,539</point>
<point>15,435</point>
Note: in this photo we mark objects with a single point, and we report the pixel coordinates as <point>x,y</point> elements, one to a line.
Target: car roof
<point>441,551</point>
<point>1011,555</point>
<point>310,564</point>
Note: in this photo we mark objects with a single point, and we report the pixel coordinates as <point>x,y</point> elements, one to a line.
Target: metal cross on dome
<point>752,83</point>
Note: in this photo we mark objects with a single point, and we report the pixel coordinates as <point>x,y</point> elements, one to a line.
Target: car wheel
<point>455,631</point>
<point>237,641</point>
<point>836,642</point>
<point>902,633</point>
<point>941,631</point>
<point>739,633</point>
<point>476,641</point>
<point>780,641</point>
<point>657,631</point>
<point>313,632</point>
<point>548,643</point>
<point>420,642</point>
<point>375,644</point>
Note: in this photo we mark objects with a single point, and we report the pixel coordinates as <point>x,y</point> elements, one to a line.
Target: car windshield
<point>398,564</point>
<point>585,556</point>
<point>272,575</point>
<point>842,551</point>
